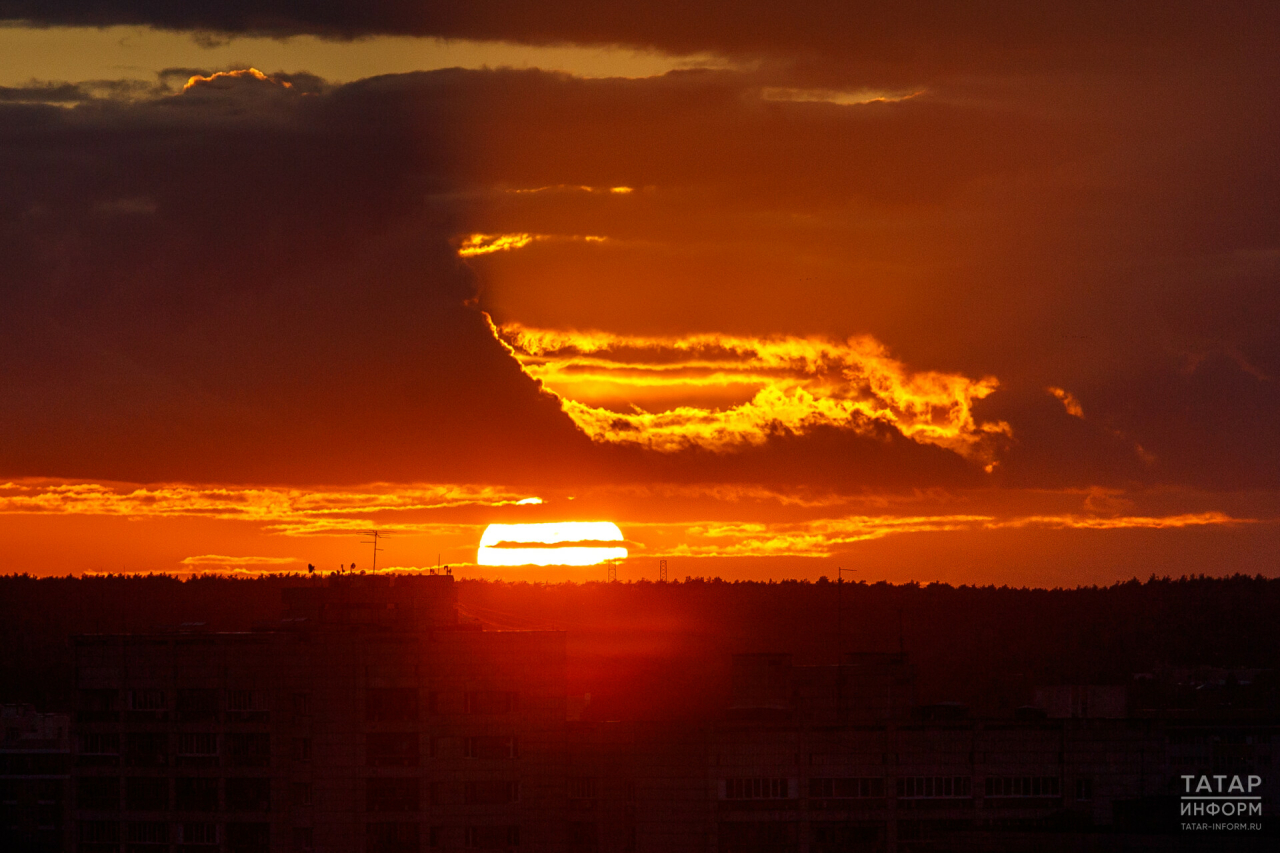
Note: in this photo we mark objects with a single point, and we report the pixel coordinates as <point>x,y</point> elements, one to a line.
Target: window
<point>391,704</point>
<point>147,749</point>
<point>195,794</point>
<point>199,833</point>
<point>99,832</point>
<point>303,839</point>
<point>435,836</point>
<point>98,706</point>
<point>197,749</point>
<point>146,700</point>
<point>300,794</point>
<point>98,792</point>
<point>933,787</point>
<point>582,788</point>
<point>392,750</point>
<point>245,700</point>
<point>301,749</point>
<point>146,793</point>
<point>392,837</point>
<point>1084,789</point>
<point>843,836</point>
<point>302,703</point>
<point>758,836</point>
<point>491,793</point>
<point>582,836</point>
<point>249,794</point>
<point>197,705</point>
<point>492,837</point>
<point>846,789</point>
<point>1023,786</point>
<point>248,706</point>
<point>249,749</point>
<point>99,743</point>
<point>491,702</point>
<point>490,746</point>
<point>391,795</point>
<point>147,832</point>
<point>756,789</point>
<point>448,747</point>
<point>446,793</point>
<point>248,837</point>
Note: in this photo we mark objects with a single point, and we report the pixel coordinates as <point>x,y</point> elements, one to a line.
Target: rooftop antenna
<point>840,570</point>
<point>373,540</point>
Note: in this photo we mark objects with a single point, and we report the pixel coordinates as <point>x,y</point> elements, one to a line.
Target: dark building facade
<point>35,779</point>
<point>371,720</point>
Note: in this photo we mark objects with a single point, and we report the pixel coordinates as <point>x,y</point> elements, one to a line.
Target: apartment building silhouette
<point>370,718</point>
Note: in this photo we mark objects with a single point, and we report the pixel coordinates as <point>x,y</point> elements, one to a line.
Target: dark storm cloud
<point>1119,242</point>
<point>243,282</point>
<point>886,41</point>
<point>249,281</point>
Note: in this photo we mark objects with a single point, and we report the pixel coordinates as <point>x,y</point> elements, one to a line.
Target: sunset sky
<point>979,293</point>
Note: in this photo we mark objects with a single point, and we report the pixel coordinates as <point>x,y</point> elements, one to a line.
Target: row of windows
<point>253,749</point>
<point>1023,786</point>
<point>756,789</point>
<point>381,837</point>
<point>161,832</point>
<point>850,788</point>
<point>151,793</point>
<point>381,703</point>
<point>189,743</point>
<point>921,787</point>
<point>403,795</point>
<point>908,787</point>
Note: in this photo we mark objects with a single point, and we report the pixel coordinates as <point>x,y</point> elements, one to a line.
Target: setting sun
<point>567,543</point>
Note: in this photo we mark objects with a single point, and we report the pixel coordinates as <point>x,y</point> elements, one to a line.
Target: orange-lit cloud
<point>825,537</point>
<point>226,79</point>
<point>567,188</point>
<point>485,244</point>
<point>219,562</point>
<point>783,385</point>
<point>1086,522</point>
<point>836,96</point>
<point>1069,402</point>
<point>289,511</point>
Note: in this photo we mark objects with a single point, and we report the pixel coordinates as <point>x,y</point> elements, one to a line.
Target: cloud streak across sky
<point>794,385</point>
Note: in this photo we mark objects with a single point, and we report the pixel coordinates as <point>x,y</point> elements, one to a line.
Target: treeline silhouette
<point>662,650</point>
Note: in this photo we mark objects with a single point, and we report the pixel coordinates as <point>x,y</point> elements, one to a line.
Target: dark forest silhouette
<point>654,650</point>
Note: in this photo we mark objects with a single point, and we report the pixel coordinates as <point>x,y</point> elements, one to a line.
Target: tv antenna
<point>374,536</point>
<point>613,570</point>
<point>662,571</point>
<point>840,570</point>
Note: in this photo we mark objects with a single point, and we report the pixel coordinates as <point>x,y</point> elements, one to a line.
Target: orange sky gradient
<point>933,292</point>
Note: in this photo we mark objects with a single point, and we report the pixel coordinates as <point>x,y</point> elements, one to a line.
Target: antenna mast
<point>374,535</point>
